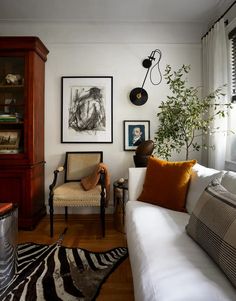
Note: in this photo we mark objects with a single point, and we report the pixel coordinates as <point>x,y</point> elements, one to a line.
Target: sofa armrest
<point>136,180</point>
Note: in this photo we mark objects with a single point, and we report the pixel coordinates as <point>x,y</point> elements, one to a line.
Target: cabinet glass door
<point>12,106</point>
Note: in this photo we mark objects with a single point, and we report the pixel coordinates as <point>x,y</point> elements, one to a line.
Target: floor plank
<point>84,232</point>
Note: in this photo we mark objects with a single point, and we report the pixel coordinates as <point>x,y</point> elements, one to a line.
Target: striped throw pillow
<point>212,225</point>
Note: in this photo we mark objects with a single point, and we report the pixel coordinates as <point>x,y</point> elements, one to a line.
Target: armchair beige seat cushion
<point>73,194</point>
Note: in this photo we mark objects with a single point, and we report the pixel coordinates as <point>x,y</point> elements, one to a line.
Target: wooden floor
<point>84,232</point>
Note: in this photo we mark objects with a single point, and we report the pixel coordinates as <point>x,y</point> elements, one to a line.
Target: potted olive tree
<point>185,115</point>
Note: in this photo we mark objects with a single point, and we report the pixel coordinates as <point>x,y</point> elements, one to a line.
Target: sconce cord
<point>158,67</point>
<point>152,58</point>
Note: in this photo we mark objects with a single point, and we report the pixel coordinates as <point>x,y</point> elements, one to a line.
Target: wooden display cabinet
<point>22,73</point>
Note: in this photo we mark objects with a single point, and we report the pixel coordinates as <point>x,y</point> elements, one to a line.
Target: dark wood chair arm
<point>54,182</point>
<point>103,186</point>
<point>102,178</point>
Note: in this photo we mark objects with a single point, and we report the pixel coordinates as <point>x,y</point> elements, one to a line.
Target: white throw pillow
<point>200,179</point>
<point>229,181</point>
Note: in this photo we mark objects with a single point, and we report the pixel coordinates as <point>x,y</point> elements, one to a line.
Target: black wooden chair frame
<point>54,183</point>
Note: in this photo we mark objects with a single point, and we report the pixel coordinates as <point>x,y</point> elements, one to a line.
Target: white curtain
<point>215,75</point>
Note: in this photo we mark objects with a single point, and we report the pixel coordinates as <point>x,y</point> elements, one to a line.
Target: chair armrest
<point>136,180</point>
<point>103,187</point>
<point>54,182</point>
<point>60,169</point>
<point>102,178</point>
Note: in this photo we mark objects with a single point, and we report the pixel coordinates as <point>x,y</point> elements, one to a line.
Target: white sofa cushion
<point>200,179</point>
<point>167,265</point>
<point>229,181</point>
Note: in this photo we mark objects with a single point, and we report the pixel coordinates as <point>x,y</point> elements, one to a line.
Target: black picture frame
<point>139,127</point>
<point>87,109</point>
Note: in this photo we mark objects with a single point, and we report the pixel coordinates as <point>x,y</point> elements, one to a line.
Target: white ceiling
<point>201,11</point>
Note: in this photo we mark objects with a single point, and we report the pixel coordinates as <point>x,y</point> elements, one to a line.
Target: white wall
<point>114,50</point>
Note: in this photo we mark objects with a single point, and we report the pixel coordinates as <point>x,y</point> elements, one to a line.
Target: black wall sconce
<point>139,96</point>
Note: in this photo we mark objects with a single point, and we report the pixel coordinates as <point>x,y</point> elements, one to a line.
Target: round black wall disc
<point>138,96</point>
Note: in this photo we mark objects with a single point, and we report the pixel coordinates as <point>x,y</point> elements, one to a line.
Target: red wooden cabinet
<point>22,73</point>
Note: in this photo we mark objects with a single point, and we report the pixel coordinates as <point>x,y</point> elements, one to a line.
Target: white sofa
<point>167,265</point>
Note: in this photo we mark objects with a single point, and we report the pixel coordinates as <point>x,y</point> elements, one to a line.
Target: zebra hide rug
<point>54,273</point>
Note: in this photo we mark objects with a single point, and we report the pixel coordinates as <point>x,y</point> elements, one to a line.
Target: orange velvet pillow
<point>166,183</point>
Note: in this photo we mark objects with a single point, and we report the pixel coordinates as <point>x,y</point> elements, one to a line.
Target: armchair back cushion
<point>80,165</point>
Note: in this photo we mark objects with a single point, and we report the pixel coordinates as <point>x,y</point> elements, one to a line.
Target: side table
<point>120,191</point>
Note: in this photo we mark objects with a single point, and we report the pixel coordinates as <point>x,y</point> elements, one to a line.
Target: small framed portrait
<point>135,132</point>
<point>9,139</point>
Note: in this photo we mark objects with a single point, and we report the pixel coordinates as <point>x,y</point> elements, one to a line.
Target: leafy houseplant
<point>185,115</point>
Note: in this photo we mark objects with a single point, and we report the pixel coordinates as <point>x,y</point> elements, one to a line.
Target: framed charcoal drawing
<point>87,109</point>
<point>135,132</point>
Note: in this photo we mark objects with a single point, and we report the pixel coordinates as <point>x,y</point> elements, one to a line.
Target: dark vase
<point>143,152</point>
<point>140,160</point>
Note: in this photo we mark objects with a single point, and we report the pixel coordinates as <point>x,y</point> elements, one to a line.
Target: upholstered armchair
<point>85,185</point>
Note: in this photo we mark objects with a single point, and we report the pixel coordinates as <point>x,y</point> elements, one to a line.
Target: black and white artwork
<point>87,109</point>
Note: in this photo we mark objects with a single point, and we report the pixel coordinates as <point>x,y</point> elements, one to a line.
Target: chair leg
<point>102,216</point>
<point>51,219</point>
<point>66,213</point>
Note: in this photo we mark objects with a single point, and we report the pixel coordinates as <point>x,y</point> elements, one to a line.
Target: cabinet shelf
<point>11,122</point>
<point>4,87</point>
<point>12,105</point>
<point>10,151</point>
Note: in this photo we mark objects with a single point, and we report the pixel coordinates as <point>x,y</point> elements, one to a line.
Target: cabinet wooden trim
<point>22,173</point>
<point>23,43</point>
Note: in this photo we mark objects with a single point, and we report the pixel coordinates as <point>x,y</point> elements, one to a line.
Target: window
<point>230,163</point>
<point>232,37</point>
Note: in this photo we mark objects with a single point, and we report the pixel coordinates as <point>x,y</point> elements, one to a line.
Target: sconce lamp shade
<point>138,96</point>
